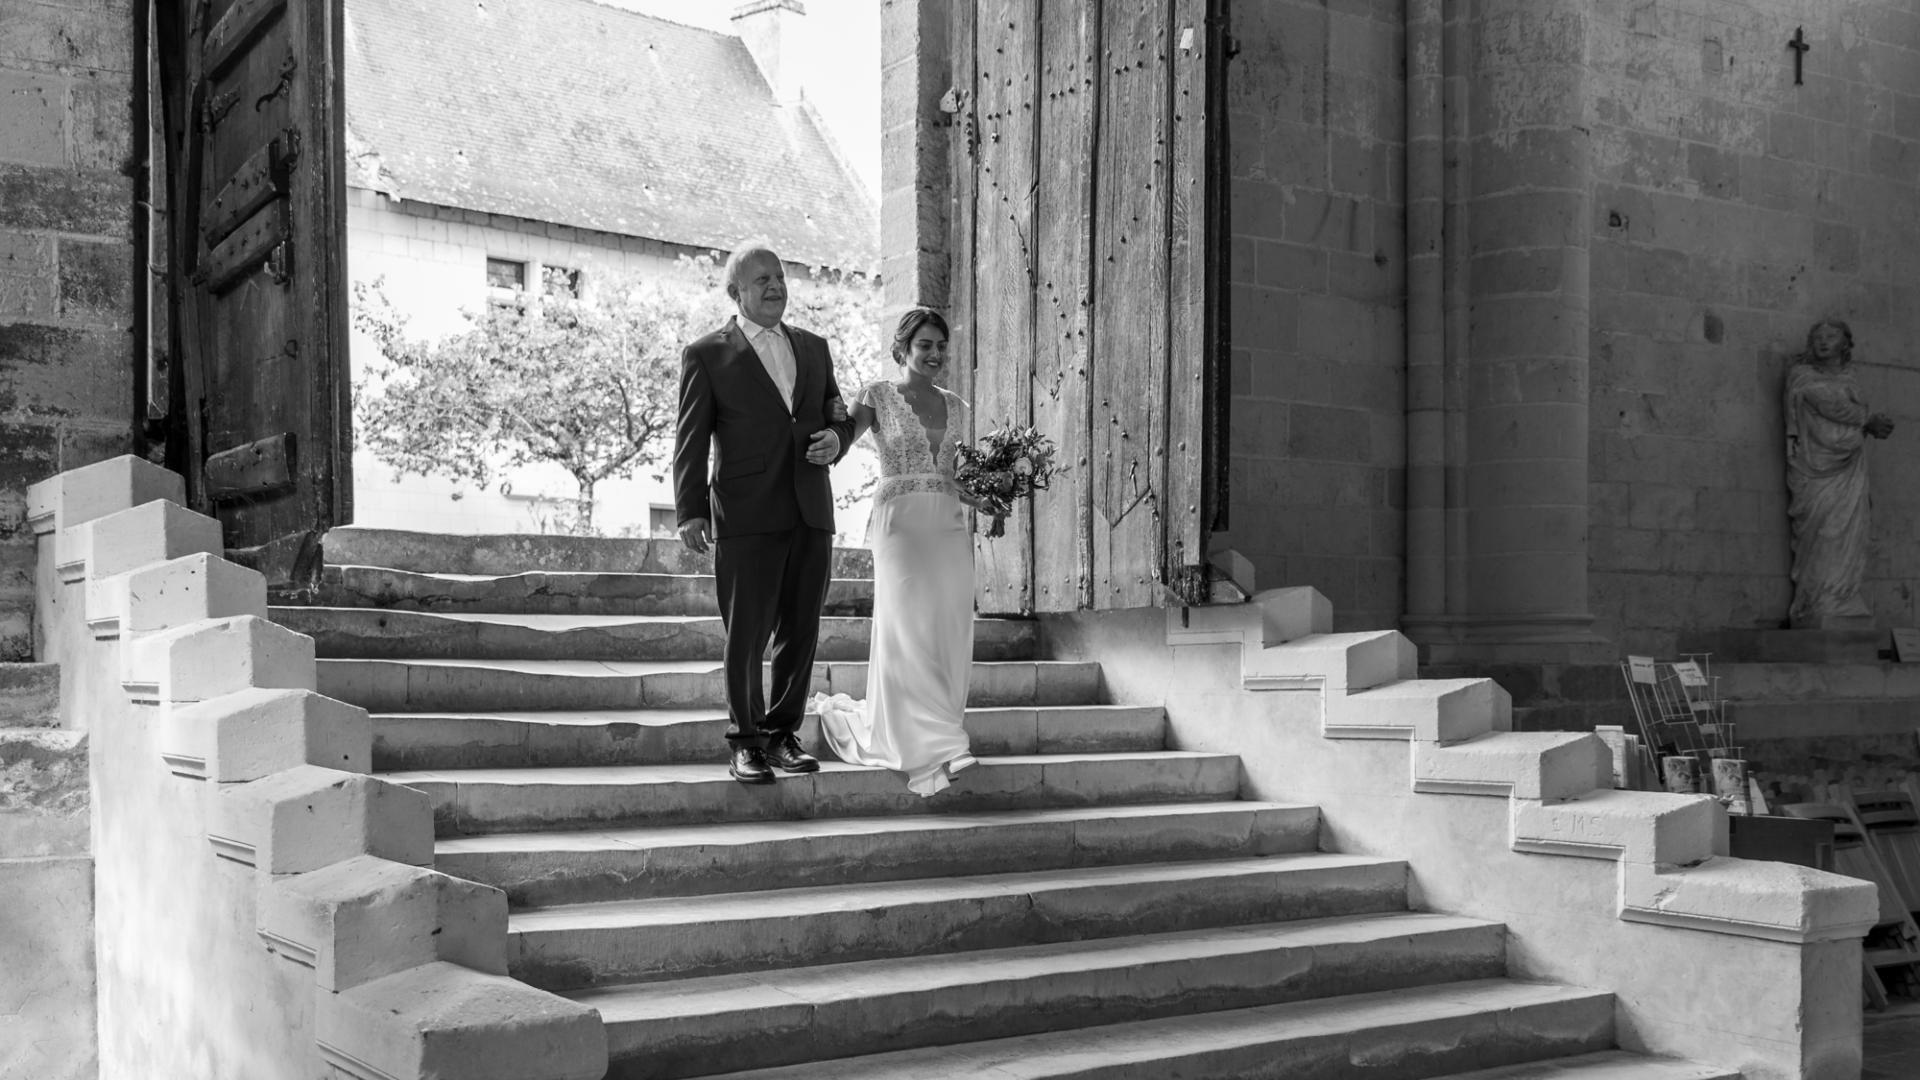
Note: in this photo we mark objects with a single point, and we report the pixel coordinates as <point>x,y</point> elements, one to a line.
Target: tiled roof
<point>573,112</point>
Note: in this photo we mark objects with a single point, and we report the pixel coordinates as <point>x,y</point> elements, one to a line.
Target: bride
<point>922,648</point>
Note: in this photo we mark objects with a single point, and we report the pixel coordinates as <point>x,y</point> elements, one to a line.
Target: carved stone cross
<point>1799,46</point>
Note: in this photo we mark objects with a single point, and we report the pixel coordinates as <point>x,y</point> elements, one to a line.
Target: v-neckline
<point>926,433</point>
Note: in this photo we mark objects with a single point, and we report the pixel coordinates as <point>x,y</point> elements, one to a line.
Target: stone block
<point>62,373</point>
<point>1648,827</point>
<point>101,125</point>
<point>366,917</point>
<point>125,540</point>
<point>90,202</point>
<point>29,695</point>
<point>1536,766</point>
<point>43,793</point>
<point>308,817</point>
<point>172,594</point>
<point>442,1019</point>
<point>33,125</point>
<point>1423,710</point>
<point>1758,899</point>
<point>1335,663</point>
<point>206,660</point>
<point>26,276</point>
<point>80,495</point>
<point>96,280</point>
<point>252,734</point>
<point>1319,433</point>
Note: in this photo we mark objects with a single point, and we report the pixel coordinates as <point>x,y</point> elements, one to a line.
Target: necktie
<point>777,354</point>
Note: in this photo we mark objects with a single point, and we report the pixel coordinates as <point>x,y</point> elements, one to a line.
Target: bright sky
<point>843,72</point>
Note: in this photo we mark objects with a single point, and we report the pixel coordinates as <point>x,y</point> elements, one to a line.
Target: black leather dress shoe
<point>750,765</point>
<point>784,753</point>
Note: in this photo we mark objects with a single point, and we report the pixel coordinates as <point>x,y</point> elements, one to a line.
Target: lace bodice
<point>909,459</point>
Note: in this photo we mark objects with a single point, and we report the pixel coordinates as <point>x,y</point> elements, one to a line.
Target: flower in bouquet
<point>1003,465</point>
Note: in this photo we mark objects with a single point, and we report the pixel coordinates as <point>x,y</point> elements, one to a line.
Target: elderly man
<point>757,392</point>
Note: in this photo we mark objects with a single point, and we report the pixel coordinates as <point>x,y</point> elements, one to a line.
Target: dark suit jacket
<point>761,480</point>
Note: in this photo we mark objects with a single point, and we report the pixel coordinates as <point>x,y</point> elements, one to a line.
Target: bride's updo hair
<point>910,324</point>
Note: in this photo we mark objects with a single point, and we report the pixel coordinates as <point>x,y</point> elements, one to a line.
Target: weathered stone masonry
<point>68,262</point>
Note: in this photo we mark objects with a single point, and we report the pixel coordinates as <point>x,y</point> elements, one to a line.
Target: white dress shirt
<point>770,344</point>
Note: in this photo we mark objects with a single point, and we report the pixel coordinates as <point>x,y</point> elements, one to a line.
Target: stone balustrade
<point>1513,825</point>
<point>255,886</point>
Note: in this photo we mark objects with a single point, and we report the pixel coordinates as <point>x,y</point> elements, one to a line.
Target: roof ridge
<point>650,17</point>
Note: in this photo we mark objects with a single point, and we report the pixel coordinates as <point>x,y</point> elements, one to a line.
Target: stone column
<point>1525,197</point>
<point>914,76</point>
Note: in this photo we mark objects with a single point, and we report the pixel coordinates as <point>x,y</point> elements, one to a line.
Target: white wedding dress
<point>922,646</point>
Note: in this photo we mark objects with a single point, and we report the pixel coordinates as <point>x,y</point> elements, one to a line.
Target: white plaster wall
<point>434,262</point>
<point>186,988</point>
<point>1777,1011</point>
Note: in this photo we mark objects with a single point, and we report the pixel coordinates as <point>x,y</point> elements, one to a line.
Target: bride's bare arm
<point>862,420</point>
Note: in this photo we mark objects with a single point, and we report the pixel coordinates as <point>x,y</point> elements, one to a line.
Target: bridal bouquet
<point>1003,465</point>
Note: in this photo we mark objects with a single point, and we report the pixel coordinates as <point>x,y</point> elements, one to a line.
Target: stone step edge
<point>662,667</point>
<point>1603,1065</point>
<point>920,974</point>
<point>516,619</point>
<point>717,772</point>
<point>666,716</point>
<point>733,832</point>
<point>829,899</point>
<point>1169,1038</point>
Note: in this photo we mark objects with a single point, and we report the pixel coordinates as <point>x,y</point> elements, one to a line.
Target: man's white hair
<point>739,257</point>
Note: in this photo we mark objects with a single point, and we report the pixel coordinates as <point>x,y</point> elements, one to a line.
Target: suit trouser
<point>772,587</point>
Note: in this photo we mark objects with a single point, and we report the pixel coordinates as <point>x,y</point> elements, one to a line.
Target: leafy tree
<point>591,385</point>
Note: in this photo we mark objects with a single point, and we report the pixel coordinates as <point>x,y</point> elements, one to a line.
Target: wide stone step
<point>29,695</point>
<point>587,945</point>
<point>513,553</point>
<point>1418,1032</point>
<point>541,869</point>
<point>696,1027</point>
<point>429,685</point>
<point>373,633</point>
<point>1605,1065</point>
<point>473,801</point>
<point>540,593</point>
<point>681,736</point>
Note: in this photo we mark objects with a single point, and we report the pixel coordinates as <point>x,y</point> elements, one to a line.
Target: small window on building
<point>662,520</point>
<point>506,274</point>
<point>561,281</point>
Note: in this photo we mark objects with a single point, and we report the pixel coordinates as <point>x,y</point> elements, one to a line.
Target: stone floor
<point>1892,1043</point>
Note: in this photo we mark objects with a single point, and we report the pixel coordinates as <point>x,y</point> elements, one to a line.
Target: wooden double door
<point>1086,300</point>
<point>251,158</point>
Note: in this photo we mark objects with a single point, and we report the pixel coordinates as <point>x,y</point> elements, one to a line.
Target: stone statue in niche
<point>1827,428</point>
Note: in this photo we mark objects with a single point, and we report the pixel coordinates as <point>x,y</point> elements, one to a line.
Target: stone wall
<point>67,262</point>
<point>1315,131</point>
<point>1732,208</point>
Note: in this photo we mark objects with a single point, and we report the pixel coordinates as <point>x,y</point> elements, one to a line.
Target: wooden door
<point>256,171</point>
<point>1085,291</point>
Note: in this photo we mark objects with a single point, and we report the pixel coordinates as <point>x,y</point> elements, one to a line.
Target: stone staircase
<point>1088,902</point>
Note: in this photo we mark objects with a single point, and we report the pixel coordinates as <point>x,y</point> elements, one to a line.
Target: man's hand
<point>694,533</point>
<point>824,448</point>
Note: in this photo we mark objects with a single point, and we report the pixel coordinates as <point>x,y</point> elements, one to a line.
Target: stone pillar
<point>1426,310</point>
<point>1519,575</point>
<point>914,76</point>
